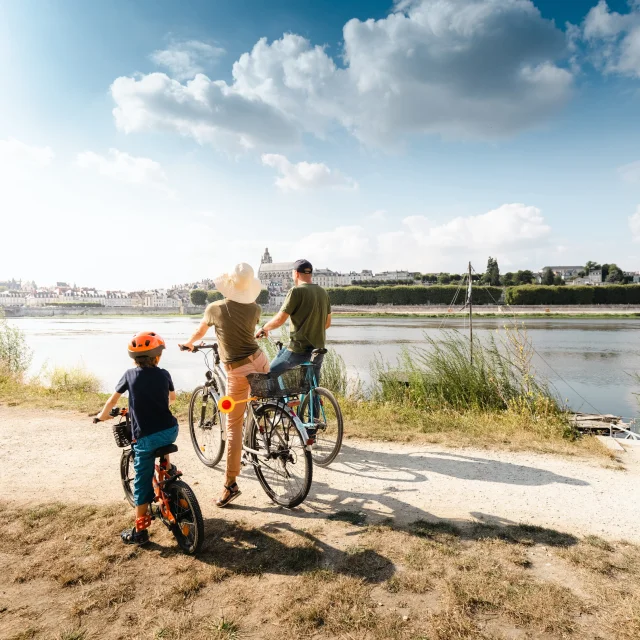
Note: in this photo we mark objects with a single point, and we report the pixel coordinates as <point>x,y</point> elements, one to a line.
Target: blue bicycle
<point>319,410</point>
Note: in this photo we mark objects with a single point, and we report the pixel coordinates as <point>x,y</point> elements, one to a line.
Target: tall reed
<point>443,374</point>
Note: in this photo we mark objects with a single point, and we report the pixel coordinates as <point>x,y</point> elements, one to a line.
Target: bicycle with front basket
<point>319,409</point>
<point>276,443</point>
<point>174,502</point>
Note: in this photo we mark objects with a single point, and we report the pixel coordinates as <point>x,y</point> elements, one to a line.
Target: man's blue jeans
<point>144,462</point>
<point>286,360</point>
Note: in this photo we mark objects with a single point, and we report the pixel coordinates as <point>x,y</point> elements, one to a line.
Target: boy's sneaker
<point>132,536</point>
<point>173,470</point>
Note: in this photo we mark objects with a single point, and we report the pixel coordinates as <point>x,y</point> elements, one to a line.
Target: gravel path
<point>61,456</point>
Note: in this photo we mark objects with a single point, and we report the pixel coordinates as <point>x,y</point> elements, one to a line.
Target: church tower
<point>266,258</point>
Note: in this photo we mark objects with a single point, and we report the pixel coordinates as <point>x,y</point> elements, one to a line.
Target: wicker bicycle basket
<point>290,383</point>
<point>122,434</point>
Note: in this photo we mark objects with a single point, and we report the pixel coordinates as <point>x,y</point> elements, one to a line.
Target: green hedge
<point>573,295</point>
<point>410,295</point>
<point>522,295</point>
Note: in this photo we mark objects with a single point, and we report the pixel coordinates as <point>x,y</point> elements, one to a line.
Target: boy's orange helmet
<point>146,343</point>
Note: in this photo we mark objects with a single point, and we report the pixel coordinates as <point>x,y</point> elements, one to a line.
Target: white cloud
<point>304,176</point>
<point>377,216</point>
<point>630,172</point>
<point>121,166</point>
<point>466,68</point>
<point>186,59</point>
<point>422,245</point>
<point>15,154</point>
<point>210,112</point>
<point>614,39</point>
<point>634,225</point>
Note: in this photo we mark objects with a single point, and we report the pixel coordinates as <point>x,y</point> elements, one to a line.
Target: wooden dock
<point>606,424</point>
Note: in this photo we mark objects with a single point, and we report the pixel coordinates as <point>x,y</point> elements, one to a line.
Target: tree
<point>605,272</point>
<point>444,278</point>
<point>492,274</point>
<point>615,274</point>
<point>507,279</point>
<point>558,281</point>
<point>214,295</point>
<point>524,277</point>
<point>590,266</point>
<point>547,277</point>
<point>198,297</point>
<point>263,297</point>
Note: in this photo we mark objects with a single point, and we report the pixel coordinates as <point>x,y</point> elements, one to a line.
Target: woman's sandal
<point>234,492</point>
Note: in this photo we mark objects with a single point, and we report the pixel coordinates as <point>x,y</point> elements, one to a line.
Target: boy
<point>151,392</point>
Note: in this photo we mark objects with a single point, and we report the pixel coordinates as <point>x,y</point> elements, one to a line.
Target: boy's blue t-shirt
<point>148,399</point>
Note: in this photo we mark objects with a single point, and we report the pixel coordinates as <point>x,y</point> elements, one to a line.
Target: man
<point>308,306</point>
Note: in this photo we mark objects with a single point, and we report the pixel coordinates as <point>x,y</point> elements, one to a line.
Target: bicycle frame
<point>218,373</point>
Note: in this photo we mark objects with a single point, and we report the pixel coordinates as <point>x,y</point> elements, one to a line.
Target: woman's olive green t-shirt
<point>235,325</point>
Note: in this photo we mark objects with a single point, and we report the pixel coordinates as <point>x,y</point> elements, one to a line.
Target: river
<point>583,358</point>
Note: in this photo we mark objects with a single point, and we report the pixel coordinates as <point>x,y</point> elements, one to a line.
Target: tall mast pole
<point>470,317</point>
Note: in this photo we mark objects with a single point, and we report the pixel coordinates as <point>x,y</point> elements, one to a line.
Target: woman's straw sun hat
<point>240,285</point>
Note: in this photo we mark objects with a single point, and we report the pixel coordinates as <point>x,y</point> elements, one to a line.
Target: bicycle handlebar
<point>198,347</point>
<point>114,413</point>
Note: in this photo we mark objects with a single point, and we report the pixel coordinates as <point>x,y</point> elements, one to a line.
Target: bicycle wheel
<point>329,426</point>
<point>205,427</point>
<point>189,528</point>
<point>283,466</point>
<point>127,474</point>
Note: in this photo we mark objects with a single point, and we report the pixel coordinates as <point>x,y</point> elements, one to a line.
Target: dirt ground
<point>62,456</point>
<point>395,542</point>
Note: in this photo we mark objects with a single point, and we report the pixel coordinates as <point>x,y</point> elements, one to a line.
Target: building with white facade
<point>13,298</point>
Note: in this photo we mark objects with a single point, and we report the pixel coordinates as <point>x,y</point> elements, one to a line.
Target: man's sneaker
<point>132,536</point>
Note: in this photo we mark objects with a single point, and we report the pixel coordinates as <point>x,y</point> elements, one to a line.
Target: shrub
<point>15,355</point>
<point>573,295</point>
<point>410,295</point>
<point>263,297</point>
<point>75,380</point>
<point>213,296</point>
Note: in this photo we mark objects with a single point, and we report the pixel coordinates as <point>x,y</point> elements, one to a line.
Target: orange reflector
<point>183,503</point>
<point>185,529</point>
<point>227,404</point>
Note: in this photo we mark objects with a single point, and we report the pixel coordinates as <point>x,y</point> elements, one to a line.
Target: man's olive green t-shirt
<point>235,325</point>
<point>308,305</point>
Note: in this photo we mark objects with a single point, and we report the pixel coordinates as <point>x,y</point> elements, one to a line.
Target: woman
<point>235,319</point>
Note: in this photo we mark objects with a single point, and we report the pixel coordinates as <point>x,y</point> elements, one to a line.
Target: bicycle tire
<point>179,491</point>
<point>324,455</point>
<point>212,456</point>
<point>289,455</point>
<point>127,474</point>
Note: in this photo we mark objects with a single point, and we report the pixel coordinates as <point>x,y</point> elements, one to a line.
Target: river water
<point>583,358</point>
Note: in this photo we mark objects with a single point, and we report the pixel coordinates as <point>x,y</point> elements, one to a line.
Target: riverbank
<point>490,311</point>
<point>366,420</point>
<point>346,311</point>
<point>379,549</point>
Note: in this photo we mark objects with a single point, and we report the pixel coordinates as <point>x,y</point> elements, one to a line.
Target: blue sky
<point>144,144</point>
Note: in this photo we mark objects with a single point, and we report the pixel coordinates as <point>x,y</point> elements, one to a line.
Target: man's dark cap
<point>303,266</point>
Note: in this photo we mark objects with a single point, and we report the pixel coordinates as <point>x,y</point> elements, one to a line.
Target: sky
<point>150,144</point>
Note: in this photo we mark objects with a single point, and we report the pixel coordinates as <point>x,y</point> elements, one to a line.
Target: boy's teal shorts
<point>144,462</point>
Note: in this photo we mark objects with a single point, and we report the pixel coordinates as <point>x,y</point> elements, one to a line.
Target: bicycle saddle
<point>319,351</point>
<point>163,451</point>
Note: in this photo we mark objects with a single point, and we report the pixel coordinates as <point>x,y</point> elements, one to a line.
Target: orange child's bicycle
<point>174,502</point>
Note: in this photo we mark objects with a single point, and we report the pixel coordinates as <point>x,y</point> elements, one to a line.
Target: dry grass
<point>67,576</point>
<point>510,430</point>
